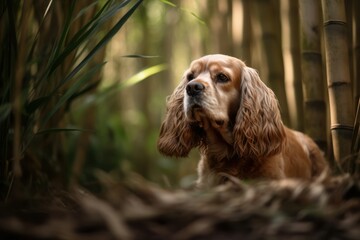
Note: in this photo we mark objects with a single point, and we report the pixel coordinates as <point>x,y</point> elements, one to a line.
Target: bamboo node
<point>335,22</point>
<point>341,127</point>
<point>337,84</point>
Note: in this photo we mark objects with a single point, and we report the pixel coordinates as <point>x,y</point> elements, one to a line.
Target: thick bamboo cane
<point>266,21</point>
<point>338,78</point>
<point>312,75</point>
<point>292,61</point>
<point>355,148</point>
<point>356,48</point>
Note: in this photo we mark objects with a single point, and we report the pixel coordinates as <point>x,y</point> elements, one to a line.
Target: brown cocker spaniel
<point>222,107</point>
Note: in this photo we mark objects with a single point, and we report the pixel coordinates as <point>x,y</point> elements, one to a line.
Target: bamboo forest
<point>85,93</point>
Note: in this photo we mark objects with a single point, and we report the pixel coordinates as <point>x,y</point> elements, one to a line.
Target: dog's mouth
<point>197,114</point>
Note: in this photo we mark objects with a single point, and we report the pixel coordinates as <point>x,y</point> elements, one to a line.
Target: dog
<point>222,107</point>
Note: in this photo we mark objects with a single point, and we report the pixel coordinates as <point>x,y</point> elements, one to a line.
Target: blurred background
<point>84,83</point>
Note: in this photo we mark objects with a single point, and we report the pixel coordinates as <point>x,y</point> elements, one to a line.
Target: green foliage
<point>197,17</point>
<point>140,76</point>
<point>110,143</point>
<point>49,59</point>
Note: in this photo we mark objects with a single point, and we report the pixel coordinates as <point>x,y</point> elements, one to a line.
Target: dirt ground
<point>286,209</point>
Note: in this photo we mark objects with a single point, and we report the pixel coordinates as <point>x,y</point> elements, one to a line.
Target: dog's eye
<point>190,77</point>
<point>222,78</point>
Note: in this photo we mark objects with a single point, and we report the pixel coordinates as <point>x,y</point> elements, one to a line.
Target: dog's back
<point>303,158</point>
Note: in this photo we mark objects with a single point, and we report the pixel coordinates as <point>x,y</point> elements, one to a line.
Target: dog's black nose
<point>194,88</point>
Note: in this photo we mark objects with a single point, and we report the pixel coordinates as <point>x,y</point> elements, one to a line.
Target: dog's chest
<point>234,166</point>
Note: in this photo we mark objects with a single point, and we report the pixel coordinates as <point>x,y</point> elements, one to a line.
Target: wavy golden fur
<point>222,107</point>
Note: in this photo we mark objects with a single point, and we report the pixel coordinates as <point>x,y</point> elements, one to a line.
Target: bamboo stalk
<point>291,53</point>
<point>348,14</point>
<point>355,147</point>
<point>221,26</point>
<point>312,75</point>
<point>241,30</point>
<point>356,48</point>
<point>19,76</point>
<point>338,78</point>
<point>267,22</point>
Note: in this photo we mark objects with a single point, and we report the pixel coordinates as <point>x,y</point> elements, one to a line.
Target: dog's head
<point>221,92</point>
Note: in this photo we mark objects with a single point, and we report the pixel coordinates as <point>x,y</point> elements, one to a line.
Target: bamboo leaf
<point>355,144</point>
<point>88,30</point>
<point>72,90</point>
<point>47,9</point>
<point>139,56</point>
<point>101,44</point>
<point>168,3</point>
<point>140,76</point>
<point>32,106</point>
<point>199,19</point>
<point>65,30</point>
<point>143,75</point>
<point>54,130</point>
<point>83,34</point>
<point>113,11</point>
<point>184,10</point>
<point>5,110</point>
<point>86,9</point>
<point>85,89</point>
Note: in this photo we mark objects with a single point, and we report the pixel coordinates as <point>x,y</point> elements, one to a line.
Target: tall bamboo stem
<point>356,48</point>
<point>266,22</point>
<point>338,78</point>
<point>312,75</point>
<point>292,61</point>
<point>19,76</point>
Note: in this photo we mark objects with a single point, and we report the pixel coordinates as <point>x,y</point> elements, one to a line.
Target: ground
<point>328,208</point>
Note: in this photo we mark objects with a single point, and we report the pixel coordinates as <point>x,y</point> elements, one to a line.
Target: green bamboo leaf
<point>85,89</point>
<point>138,77</point>
<point>36,38</point>
<point>200,20</point>
<point>89,29</point>
<point>55,130</point>
<point>5,110</point>
<point>112,11</point>
<point>32,106</point>
<point>184,10</point>
<point>66,29</point>
<point>72,90</point>
<point>86,9</point>
<point>139,56</point>
<point>142,75</point>
<point>101,44</point>
<point>168,3</point>
<point>355,144</point>
<point>83,34</point>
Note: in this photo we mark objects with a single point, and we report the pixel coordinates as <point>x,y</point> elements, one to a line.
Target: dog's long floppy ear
<point>177,136</point>
<point>258,132</point>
